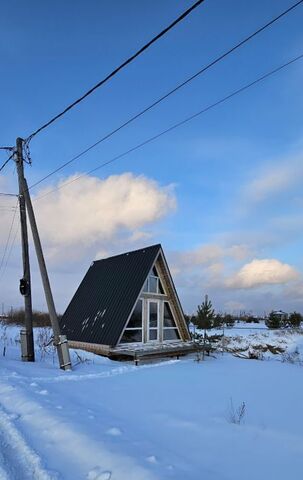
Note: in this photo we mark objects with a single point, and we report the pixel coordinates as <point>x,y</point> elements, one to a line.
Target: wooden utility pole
<point>27,339</point>
<point>60,341</point>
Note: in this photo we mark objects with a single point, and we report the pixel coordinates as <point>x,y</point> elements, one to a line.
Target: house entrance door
<point>153,320</point>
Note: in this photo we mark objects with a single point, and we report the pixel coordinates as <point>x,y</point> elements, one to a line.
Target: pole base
<point>63,353</point>
<point>27,346</point>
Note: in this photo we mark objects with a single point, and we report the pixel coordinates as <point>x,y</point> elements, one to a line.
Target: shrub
<point>17,317</point>
<point>229,320</point>
<point>44,343</point>
<point>273,321</point>
<point>292,357</point>
<point>236,415</point>
<point>295,319</point>
<point>3,337</point>
<point>249,319</point>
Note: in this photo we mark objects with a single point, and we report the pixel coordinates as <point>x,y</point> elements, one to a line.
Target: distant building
<point>283,316</point>
<point>125,305</point>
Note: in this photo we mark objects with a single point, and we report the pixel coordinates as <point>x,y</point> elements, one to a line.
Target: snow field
<point>170,420</point>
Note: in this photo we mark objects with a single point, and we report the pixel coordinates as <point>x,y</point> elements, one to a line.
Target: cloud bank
<point>262,272</point>
<point>95,211</point>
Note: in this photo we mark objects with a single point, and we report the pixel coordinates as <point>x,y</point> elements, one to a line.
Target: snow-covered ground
<point>256,340</point>
<point>168,420</point>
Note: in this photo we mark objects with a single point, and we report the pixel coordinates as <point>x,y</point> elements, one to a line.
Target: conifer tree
<point>205,314</point>
<point>295,319</point>
<point>218,321</point>
<point>273,321</point>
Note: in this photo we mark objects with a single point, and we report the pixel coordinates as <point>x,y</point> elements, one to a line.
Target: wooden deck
<point>138,353</point>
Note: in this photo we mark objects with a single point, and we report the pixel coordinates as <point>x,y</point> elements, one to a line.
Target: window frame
<point>127,329</point>
<point>148,328</point>
<point>170,328</point>
<point>151,275</point>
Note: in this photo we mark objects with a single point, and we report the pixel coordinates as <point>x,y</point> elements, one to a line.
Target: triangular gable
<point>132,332</point>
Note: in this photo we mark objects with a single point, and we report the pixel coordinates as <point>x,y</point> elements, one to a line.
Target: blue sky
<point>228,184</point>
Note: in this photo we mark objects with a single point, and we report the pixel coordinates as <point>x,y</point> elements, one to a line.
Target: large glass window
<point>171,334</point>
<point>170,330</point>
<point>153,320</point>
<point>133,331</point>
<point>136,318</point>
<point>132,336</point>
<point>153,315</point>
<point>168,319</point>
<point>153,283</point>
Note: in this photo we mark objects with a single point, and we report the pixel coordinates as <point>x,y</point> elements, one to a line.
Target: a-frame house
<point>127,305</point>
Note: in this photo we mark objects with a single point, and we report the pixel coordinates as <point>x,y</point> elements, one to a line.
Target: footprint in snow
<point>114,431</point>
<point>98,474</point>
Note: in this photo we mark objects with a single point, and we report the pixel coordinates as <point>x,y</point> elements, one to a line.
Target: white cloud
<point>211,253</point>
<point>202,255</point>
<point>274,179</point>
<point>94,211</point>
<point>262,272</point>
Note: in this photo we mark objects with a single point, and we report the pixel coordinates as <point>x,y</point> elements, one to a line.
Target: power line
<point>179,124</point>
<point>8,238</point>
<point>10,252</point>
<point>168,94</point>
<point>116,70</point>
<point>9,158</point>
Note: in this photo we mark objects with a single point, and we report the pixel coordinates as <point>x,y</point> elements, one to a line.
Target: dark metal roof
<point>106,296</point>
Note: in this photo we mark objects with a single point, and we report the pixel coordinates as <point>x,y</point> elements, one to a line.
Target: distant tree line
<point>17,317</point>
<point>206,318</point>
<point>276,320</point>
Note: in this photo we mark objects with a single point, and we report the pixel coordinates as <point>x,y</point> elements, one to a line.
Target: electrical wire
<point>168,94</point>
<point>10,252</point>
<point>9,236</point>
<point>120,67</point>
<point>179,124</point>
<point>6,162</point>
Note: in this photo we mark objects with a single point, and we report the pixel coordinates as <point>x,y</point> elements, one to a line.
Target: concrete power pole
<point>60,341</point>
<point>27,339</point>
